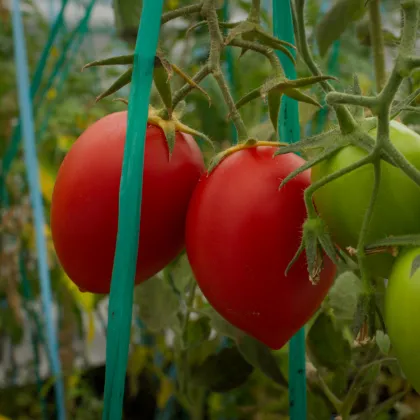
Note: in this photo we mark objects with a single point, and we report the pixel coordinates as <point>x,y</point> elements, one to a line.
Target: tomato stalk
<point>346,120</point>
<point>377,39</point>
<point>216,46</point>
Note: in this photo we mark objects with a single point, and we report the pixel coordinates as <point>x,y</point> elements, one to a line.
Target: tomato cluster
<point>240,231</point>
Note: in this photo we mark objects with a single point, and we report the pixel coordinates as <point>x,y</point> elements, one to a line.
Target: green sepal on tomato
<point>84,209</point>
<point>241,233</point>
<point>402,313</point>
<point>343,202</point>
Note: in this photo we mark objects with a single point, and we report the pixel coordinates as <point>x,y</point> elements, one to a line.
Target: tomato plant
<point>242,232</point>
<point>84,209</point>
<point>402,311</point>
<point>343,202</point>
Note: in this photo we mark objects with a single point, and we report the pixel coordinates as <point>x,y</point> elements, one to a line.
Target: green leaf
<point>317,407</point>
<point>327,344</point>
<point>383,342</point>
<point>197,331</point>
<point>344,295</point>
<point>223,371</point>
<point>261,357</point>
<point>336,21</point>
<point>274,99</point>
<point>181,273</point>
<point>127,17</point>
<point>220,324</point>
<point>158,303</point>
<point>122,81</point>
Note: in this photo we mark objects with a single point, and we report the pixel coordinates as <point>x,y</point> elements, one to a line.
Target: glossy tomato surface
<point>343,202</point>
<point>84,211</point>
<point>402,313</point>
<point>242,232</point>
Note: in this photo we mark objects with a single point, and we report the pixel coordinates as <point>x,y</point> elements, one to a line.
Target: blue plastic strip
<point>71,57</point>
<point>25,105</point>
<point>13,147</point>
<point>289,130</point>
<point>83,23</point>
<point>122,284</point>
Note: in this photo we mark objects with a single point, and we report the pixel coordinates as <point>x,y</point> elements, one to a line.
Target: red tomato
<point>84,210</point>
<point>242,232</point>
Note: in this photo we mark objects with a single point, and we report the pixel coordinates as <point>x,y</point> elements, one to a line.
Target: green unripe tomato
<point>402,313</point>
<point>343,202</point>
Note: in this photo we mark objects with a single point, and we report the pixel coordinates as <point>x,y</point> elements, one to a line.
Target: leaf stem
<point>338,98</point>
<point>377,40</point>
<point>182,11</point>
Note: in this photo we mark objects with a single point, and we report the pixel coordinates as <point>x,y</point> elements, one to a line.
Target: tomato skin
<point>84,211</point>
<point>402,314</point>
<point>242,232</point>
<point>343,202</point>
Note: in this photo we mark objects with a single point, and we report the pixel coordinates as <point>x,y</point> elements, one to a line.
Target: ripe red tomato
<point>84,210</point>
<point>343,202</point>
<point>402,311</point>
<point>242,232</point>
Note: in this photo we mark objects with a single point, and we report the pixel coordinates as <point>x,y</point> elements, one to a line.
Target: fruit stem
<point>216,46</point>
<point>377,40</point>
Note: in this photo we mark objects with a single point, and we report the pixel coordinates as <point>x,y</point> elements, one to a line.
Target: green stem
<point>356,387</point>
<point>345,119</point>
<point>377,40</point>
<point>309,192</point>
<point>383,407</point>
<point>339,98</point>
<point>365,226</point>
<point>182,11</point>
<point>216,46</point>
<point>254,14</point>
<point>332,398</point>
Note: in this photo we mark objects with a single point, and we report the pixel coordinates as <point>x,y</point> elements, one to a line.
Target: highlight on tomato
<point>343,202</point>
<point>241,234</point>
<point>84,210</point>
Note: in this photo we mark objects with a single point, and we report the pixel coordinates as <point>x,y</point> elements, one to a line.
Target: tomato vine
<point>352,129</point>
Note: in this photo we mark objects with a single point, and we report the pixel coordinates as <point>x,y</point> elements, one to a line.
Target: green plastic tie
<point>122,284</point>
<point>289,130</point>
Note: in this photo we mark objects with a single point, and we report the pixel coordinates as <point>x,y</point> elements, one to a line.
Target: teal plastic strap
<point>289,130</point>
<point>25,107</point>
<point>71,57</point>
<point>35,333</point>
<point>122,284</point>
<point>13,146</point>
<point>81,27</point>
